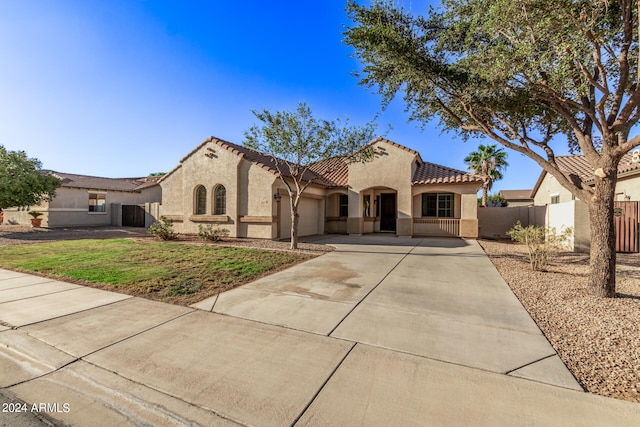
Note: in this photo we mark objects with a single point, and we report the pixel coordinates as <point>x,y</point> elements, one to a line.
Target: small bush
<point>212,233</point>
<point>163,229</point>
<point>542,242</point>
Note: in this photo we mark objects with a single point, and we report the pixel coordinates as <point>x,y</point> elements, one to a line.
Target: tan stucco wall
<point>392,169</point>
<point>628,186</point>
<point>549,186</point>
<point>249,197</point>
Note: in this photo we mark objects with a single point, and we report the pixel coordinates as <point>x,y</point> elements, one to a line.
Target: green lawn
<point>177,273</point>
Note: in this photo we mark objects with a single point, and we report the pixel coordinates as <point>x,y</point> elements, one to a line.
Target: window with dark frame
<point>344,205</point>
<point>201,201</point>
<point>220,200</point>
<point>438,205</point>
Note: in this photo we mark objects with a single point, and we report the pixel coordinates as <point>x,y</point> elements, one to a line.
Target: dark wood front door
<point>387,212</point>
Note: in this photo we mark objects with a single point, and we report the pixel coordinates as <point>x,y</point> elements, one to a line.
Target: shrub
<point>494,201</point>
<point>210,233</point>
<point>35,214</point>
<point>542,242</point>
<point>163,229</point>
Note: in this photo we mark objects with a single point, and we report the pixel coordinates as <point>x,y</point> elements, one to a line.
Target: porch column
<point>469,216</point>
<point>355,223</point>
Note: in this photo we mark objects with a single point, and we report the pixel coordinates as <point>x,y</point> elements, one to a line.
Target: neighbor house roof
<point>106,184</point>
<point>516,194</point>
<point>334,172</point>
<point>579,166</point>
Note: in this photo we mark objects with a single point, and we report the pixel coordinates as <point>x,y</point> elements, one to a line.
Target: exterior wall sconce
<point>277,197</point>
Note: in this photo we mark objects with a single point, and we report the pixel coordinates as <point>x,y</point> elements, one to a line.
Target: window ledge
<point>209,218</point>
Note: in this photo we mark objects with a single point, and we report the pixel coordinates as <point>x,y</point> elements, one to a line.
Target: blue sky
<point>124,88</point>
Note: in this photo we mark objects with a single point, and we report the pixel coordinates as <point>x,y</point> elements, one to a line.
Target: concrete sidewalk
<point>382,331</point>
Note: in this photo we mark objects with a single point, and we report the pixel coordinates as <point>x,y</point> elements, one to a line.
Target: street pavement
<point>382,331</point>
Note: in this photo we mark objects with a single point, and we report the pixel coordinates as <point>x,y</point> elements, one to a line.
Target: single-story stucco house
<point>94,201</point>
<point>228,185</point>
<point>563,210</point>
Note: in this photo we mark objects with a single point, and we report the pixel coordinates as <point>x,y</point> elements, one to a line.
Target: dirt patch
<point>597,338</point>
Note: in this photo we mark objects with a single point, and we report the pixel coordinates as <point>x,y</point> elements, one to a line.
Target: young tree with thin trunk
<point>524,73</point>
<point>488,162</point>
<point>295,140</point>
<point>22,180</point>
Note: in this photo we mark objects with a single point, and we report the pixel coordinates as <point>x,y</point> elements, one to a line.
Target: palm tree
<point>488,162</point>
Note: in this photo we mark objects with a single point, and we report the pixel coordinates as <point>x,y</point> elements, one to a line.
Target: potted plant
<point>36,221</point>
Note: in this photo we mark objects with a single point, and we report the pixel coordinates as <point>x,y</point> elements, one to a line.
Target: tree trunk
<point>294,223</point>
<point>603,237</point>
<point>484,196</point>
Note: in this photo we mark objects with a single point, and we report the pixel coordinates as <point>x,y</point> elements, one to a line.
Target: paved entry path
<point>382,331</point>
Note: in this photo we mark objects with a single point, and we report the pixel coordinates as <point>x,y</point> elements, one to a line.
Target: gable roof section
<point>107,184</point>
<point>430,173</point>
<point>516,194</point>
<point>263,161</point>
<point>334,172</point>
<point>579,166</point>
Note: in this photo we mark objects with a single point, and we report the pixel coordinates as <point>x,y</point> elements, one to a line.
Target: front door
<point>387,212</point>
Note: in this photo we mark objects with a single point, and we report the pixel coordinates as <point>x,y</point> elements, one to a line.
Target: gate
<point>132,216</point>
<point>626,220</point>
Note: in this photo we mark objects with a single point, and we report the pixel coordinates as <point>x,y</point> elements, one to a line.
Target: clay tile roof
<point>267,162</point>
<point>579,166</point>
<point>334,171</point>
<point>107,184</point>
<point>516,194</point>
<point>430,173</point>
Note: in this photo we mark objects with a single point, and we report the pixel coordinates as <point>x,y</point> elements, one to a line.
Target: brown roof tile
<point>516,194</point>
<point>430,173</point>
<point>111,184</point>
<point>334,171</point>
<point>579,166</point>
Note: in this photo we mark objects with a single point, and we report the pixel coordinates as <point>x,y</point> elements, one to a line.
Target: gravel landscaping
<point>597,338</point>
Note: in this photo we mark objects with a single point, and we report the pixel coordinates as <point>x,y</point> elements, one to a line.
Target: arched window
<point>201,200</point>
<point>219,200</point>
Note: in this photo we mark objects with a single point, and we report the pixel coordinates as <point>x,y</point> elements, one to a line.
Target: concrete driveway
<point>382,331</point>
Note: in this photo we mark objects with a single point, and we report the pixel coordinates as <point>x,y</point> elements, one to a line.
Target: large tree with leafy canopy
<point>22,180</point>
<point>296,141</point>
<point>488,162</point>
<point>524,73</point>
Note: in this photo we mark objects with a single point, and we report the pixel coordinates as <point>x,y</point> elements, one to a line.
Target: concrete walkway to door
<point>382,331</point>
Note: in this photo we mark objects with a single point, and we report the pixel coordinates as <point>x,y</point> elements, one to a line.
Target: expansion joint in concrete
<point>322,386</point>
<point>373,288</point>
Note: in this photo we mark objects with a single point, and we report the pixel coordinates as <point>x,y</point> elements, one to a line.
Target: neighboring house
<point>93,201</point>
<point>228,185</point>
<point>517,197</point>
<point>564,210</point>
<point>548,191</point>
